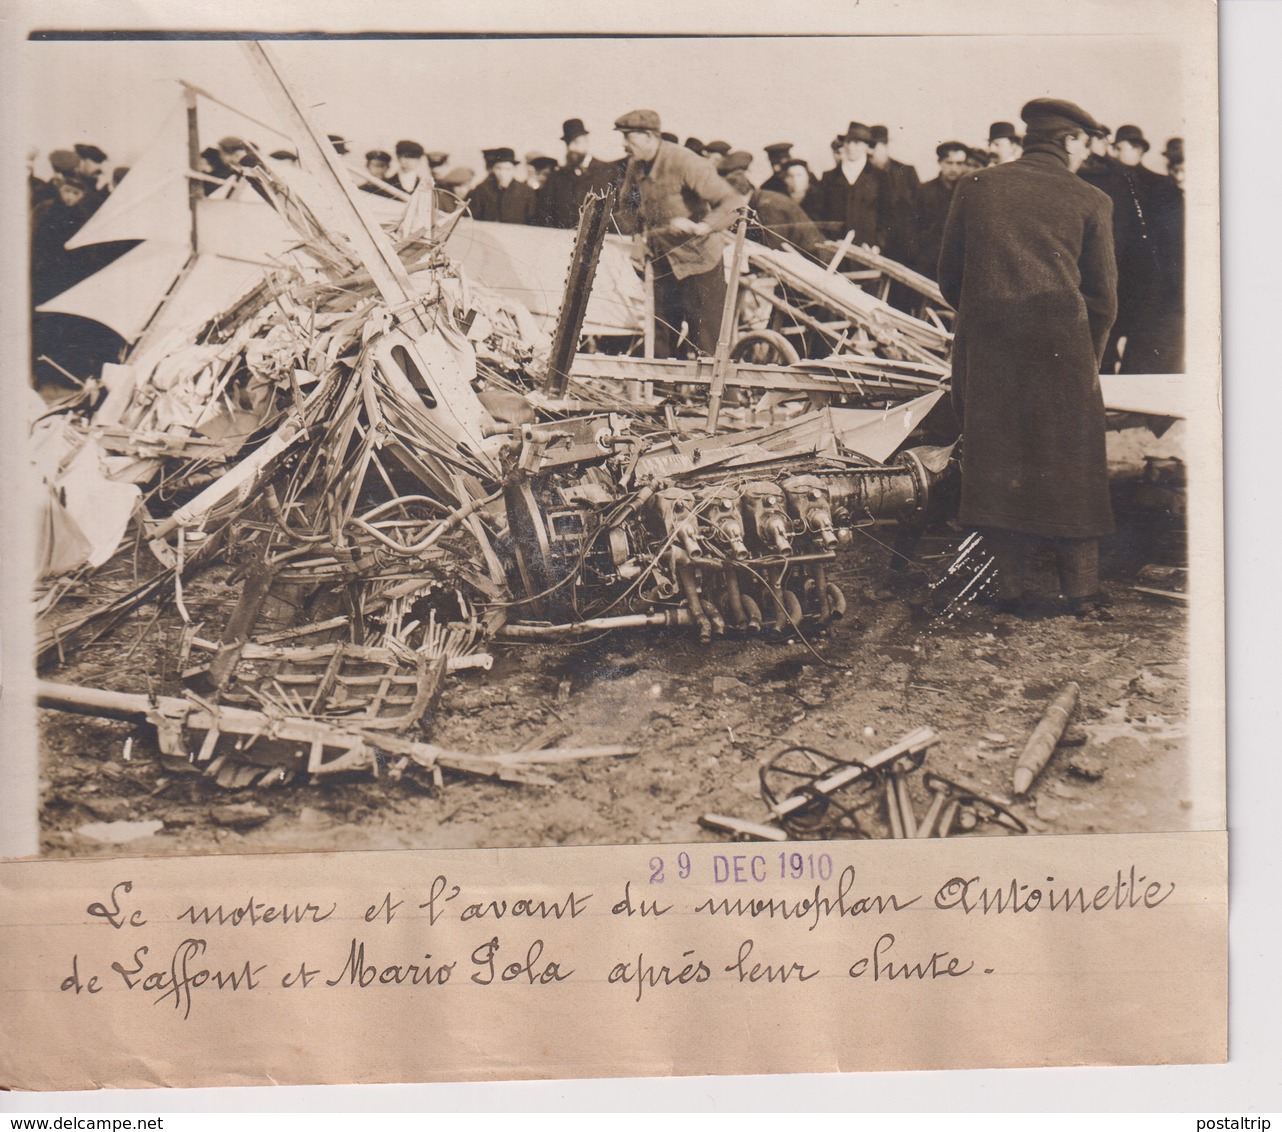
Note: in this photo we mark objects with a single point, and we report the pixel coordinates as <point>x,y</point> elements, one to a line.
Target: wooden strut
<point>356,747</point>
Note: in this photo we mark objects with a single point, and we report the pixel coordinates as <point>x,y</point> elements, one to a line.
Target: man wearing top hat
<point>567,187</point>
<point>1027,260</point>
<point>680,205</point>
<point>855,195</point>
<point>501,197</point>
<point>1004,143</point>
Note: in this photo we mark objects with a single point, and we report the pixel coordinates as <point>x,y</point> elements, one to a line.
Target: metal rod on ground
<point>1041,744</point>
<point>729,311</point>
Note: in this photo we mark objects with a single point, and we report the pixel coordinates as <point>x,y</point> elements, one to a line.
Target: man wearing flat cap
<point>1148,239</point>
<point>1004,143</point>
<point>682,208</point>
<point>854,196</point>
<point>501,197</point>
<point>451,189</point>
<point>567,187</point>
<point>1027,261</point>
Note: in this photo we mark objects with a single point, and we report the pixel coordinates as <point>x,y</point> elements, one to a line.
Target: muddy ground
<point>704,718</point>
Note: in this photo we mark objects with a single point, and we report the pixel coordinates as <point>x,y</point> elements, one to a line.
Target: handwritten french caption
<point>767,906</point>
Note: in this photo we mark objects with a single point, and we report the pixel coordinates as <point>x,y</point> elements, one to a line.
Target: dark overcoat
<point>863,206</point>
<point>514,205</point>
<point>1027,260</point>
<point>567,188</point>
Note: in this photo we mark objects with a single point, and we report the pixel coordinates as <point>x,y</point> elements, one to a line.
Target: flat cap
<point>667,137</point>
<point>436,158</point>
<point>879,134</point>
<point>1002,130</point>
<point>63,161</point>
<point>945,148</point>
<point>378,155</point>
<point>1132,134</point>
<point>736,162</point>
<point>90,152</point>
<point>408,149</point>
<point>540,161</point>
<point>499,156</point>
<point>777,151</point>
<point>792,161</point>
<point>231,142</point>
<point>694,145</point>
<point>721,147</point>
<point>1052,113</point>
<point>857,131</point>
<point>638,120</point>
<point>460,175</point>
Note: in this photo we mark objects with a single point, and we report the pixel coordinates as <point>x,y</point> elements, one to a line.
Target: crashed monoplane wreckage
<point>398,466</point>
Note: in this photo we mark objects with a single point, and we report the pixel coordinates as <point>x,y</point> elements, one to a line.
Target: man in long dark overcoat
<point>1027,260</point>
<point>855,195</point>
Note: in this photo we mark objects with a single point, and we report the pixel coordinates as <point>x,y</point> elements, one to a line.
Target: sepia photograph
<point>572,544</point>
<point>478,442</point>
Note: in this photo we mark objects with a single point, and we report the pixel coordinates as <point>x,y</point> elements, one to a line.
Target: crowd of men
<point>866,191</point>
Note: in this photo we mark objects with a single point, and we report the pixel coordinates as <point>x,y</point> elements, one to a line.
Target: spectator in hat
<point>378,165</point>
<point>501,197</point>
<point>1004,143</point>
<point>775,219</point>
<point>1097,167</point>
<point>451,189</point>
<point>1027,261</point>
<point>716,152</point>
<point>411,165</point>
<point>538,166</point>
<point>1148,235</point>
<point>568,187</point>
<point>855,195</point>
<point>933,203</point>
<point>777,153</point>
<point>683,209</point>
<point>38,189</point>
<point>437,159</point>
<point>54,267</point>
<point>694,145</point>
<point>903,185</point>
<point>92,160</point>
